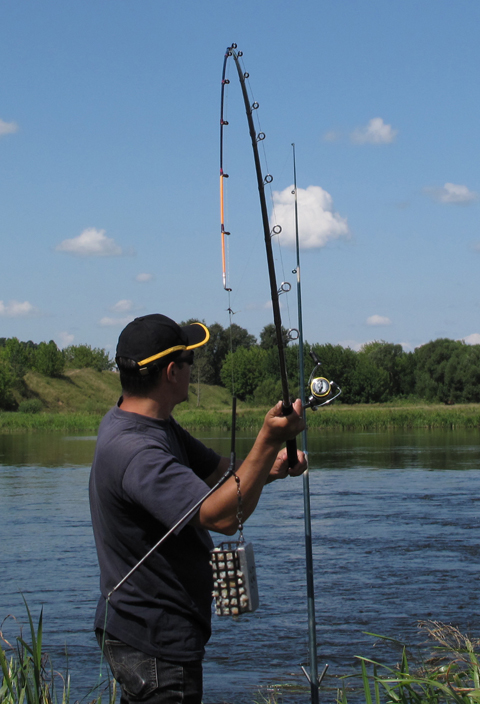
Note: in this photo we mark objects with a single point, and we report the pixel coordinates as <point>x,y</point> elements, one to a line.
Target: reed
<point>28,676</point>
<point>446,671</point>
<point>450,673</point>
<point>341,417</point>
<point>379,417</point>
<point>47,422</point>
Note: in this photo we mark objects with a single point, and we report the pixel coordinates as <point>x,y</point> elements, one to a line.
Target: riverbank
<point>341,417</point>
<point>77,401</point>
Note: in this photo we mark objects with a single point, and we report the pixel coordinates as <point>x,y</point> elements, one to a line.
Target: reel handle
<point>292,453</point>
<point>291,444</point>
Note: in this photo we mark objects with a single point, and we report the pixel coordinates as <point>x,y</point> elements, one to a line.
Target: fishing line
<point>267,231</point>
<point>224,206</point>
<point>273,218</point>
<point>261,141</point>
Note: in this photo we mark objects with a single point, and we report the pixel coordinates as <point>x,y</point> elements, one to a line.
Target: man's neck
<point>147,406</point>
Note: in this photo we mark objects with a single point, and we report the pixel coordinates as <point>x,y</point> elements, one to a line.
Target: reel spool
<point>322,391</point>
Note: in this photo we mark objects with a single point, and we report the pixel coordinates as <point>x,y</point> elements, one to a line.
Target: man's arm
<point>279,470</point>
<point>218,511</point>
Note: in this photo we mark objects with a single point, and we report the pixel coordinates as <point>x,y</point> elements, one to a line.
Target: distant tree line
<point>444,370</point>
<point>17,358</point>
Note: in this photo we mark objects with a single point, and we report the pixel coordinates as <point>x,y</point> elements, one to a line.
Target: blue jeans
<point>150,680</point>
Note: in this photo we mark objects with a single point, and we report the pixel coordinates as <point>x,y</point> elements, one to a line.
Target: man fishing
<point>147,474</point>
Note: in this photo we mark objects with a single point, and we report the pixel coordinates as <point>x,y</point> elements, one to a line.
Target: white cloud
<point>357,346</point>
<point>473,339</point>
<point>378,320</point>
<point>123,306</point>
<point>352,344</point>
<point>65,339</point>
<point>90,243</point>
<point>115,322</point>
<point>317,222</point>
<point>453,193</point>
<point>15,309</point>
<point>376,132</point>
<point>143,278</point>
<point>7,128</point>
<point>332,136</point>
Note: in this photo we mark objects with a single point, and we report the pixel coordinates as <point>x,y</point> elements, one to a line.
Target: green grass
<point>77,391</point>
<point>48,422</point>
<point>447,671</point>
<point>342,417</point>
<point>369,418</point>
<point>384,417</point>
<point>28,675</point>
<point>77,401</point>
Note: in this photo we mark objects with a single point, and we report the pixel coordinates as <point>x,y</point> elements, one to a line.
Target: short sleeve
<point>201,459</point>
<point>160,484</point>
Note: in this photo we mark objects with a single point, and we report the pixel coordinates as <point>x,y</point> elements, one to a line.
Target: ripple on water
<point>395,539</point>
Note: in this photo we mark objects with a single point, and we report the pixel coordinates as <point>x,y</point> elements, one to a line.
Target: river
<point>395,525</point>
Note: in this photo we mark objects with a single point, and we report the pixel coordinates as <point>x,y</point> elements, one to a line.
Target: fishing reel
<point>322,391</point>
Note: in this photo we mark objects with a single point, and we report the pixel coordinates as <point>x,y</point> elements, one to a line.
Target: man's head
<point>148,344</point>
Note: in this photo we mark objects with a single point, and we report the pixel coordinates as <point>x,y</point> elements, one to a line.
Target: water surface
<point>395,526</point>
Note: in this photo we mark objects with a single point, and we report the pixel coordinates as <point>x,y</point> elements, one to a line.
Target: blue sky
<point>109,141</point>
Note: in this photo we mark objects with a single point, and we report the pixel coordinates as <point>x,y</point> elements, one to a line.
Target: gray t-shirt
<point>146,475</point>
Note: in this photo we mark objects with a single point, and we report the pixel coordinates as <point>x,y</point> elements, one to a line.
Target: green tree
<point>84,356</point>
<point>388,357</point>
<point>268,337</point>
<point>21,355</point>
<point>431,361</point>
<point>209,358</point>
<point>49,360</point>
<point>248,367</point>
<point>462,375</point>
<point>8,381</point>
<point>369,382</point>
<point>268,392</point>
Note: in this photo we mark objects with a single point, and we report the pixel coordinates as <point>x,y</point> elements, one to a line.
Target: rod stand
<point>319,678</point>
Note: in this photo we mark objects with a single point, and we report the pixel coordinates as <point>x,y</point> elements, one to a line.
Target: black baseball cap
<point>151,337</point>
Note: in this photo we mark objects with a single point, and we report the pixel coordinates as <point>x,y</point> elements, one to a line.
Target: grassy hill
<point>78,399</point>
<point>76,391</point>
<point>89,391</point>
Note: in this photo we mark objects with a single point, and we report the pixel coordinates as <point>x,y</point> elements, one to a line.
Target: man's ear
<point>170,371</point>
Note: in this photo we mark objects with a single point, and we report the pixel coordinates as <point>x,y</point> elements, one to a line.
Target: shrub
<point>268,392</point>
<point>8,381</point>
<point>30,405</point>
<point>48,359</point>
<point>84,356</point>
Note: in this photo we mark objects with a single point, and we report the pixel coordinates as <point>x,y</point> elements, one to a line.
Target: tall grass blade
<point>366,684</point>
<point>375,684</point>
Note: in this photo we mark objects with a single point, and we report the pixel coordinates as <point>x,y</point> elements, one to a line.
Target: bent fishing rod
<point>322,391</point>
<point>262,181</point>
